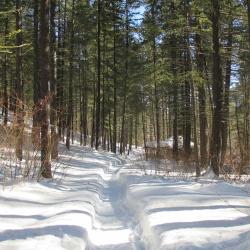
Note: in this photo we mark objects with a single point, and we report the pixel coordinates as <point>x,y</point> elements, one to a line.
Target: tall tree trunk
<point>187,87</point>
<point>122,144</point>
<point>61,70</point>
<point>247,93</point>
<point>240,139</point>
<point>114,82</point>
<point>225,114</point>
<point>19,119</point>
<point>131,133</point>
<point>70,86</point>
<point>44,80</point>
<point>169,117</point>
<point>136,130</point>
<point>248,15</point>
<point>217,87</point>
<point>93,118</point>
<point>163,118</point>
<point>188,127</point>
<point>85,109</point>
<point>98,88</point>
<point>174,89</point>
<point>110,142</point>
<point>103,129</point>
<point>5,75</point>
<point>64,49</point>
<point>53,110</point>
<point>195,149</point>
<point>157,115</point>
<point>81,109</point>
<point>36,82</point>
<point>156,98</point>
<point>202,102</point>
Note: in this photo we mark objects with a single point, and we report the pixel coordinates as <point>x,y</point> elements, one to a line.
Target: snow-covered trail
<point>105,203</point>
<point>85,211</point>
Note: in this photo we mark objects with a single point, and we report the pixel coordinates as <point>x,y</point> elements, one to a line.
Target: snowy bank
<point>106,203</point>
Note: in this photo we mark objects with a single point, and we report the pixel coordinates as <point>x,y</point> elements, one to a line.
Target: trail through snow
<point>105,202</point>
<point>85,211</point>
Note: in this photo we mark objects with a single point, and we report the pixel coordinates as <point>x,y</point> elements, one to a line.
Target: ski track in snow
<point>91,192</point>
<point>105,203</point>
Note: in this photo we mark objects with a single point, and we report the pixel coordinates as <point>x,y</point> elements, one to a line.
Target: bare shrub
<point>12,168</point>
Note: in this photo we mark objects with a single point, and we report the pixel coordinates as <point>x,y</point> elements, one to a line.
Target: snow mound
<point>103,204</point>
<point>168,143</point>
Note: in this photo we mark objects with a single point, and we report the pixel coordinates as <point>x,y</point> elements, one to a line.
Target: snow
<point>168,143</point>
<point>106,202</point>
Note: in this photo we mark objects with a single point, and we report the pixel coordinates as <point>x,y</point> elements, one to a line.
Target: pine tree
<point>44,59</point>
<point>215,148</point>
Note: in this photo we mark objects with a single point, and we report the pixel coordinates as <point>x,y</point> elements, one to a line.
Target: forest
<point>127,72</point>
<point>124,124</point>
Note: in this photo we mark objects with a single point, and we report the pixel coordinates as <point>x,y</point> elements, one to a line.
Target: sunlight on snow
<point>109,237</point>
<point>195,215</point>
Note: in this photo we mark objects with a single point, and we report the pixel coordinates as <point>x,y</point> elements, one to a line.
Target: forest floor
<point>98,200</point>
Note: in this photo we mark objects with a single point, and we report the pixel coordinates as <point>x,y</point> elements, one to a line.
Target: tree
<point>215,147</point>
<point>70,84</point>
<point>53,110</point>
<point>98,89</point>
<point>18,108</point>
<point>44,61</point>
<point>36,81</point>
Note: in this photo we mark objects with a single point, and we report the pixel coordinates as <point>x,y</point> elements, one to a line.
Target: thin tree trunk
<point>202,103</point>
<point>188,127</point>
<point>81,110</point>
<point>144,133</point>
<point>136,130</point>
<point>44,79</point>
<point>53,110</point>
<point>131,133</point>
<point>122,144</point>
<point>247,93</point>
<point>70,86</point>
<point>196,153</point>
<point>239,136</point>
<point>85,109</point>
<point>103,129</point>
<point>19,119</point>
<point>156,98</point>
<point>225,114</point>
<point>163,119</point>
<point>187,88</point>
<point>114,82</point>
<point>93,118</point>
<point>215,147</point>
<point>36,82</point>
<point>98,88</point>
<point>5,75</point>
<point>60,68</point>
<point>173,45</point>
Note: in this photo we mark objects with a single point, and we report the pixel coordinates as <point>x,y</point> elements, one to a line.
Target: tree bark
<point>98,88</point>
<point>173,46</point>
<point>53,110</point>
<point>70,86</point>
<point>202,102</point>
<point>36,82</point>
<point>217,87</point>
<point>122,144</point>
<point>225,114</point>
<point>5,75</point>
<point>114,81</point>
<point>44,79</point>
<point>18,109</point>
<point>187,87</point>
